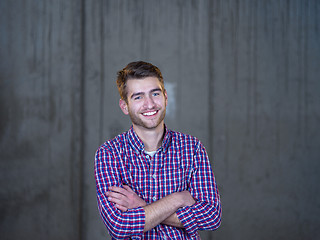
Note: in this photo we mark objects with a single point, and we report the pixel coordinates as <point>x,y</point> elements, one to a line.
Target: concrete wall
<point>242,76</point>
<point>40,119</point>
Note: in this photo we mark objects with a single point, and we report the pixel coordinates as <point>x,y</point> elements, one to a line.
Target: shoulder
<point>179,136</point>
<point>114,145</point>
<point>186,140</point>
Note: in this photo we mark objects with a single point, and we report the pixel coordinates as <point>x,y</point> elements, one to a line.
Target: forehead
<point>143,84</point>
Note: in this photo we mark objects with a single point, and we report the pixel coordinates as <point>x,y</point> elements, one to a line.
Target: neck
<point>152,138</point>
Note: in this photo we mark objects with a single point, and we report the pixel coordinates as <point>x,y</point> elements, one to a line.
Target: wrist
<point>179,199</point>
<point>185,199</point>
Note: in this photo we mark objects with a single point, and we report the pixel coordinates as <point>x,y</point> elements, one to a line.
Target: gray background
<point>242,76</point>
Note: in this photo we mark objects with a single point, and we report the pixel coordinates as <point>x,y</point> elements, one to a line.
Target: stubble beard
<point>147,124</point>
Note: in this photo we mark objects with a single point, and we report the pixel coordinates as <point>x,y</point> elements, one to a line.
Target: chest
<point>155,177</point>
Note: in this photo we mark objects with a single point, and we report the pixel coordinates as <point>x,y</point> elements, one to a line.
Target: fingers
<point>118,190</point>
<point>119,196</point>
<point>126,187</point>
<point>115,196</point>
<point>124,198</point>
<point>121,208</point>
<point>120,203</point>
<point>126,191</point>
<point>123,190</point>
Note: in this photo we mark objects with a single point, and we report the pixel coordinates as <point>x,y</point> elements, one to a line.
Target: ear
<point>124,106</point>
<point>166,96</point>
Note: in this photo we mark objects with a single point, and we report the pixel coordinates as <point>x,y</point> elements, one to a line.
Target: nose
<point>149,102</point>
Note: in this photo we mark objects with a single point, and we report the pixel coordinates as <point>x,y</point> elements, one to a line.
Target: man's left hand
<point>125,198</point>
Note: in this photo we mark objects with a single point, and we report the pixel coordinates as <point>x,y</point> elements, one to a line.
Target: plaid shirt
<point>181,163</point>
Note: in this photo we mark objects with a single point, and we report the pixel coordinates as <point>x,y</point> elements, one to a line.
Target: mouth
<point>148,114</point>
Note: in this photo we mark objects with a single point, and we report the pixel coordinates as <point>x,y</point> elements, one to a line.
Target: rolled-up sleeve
<point>205,214</point>
<point>129,224</point>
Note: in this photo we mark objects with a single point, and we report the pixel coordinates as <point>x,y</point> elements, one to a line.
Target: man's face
<point>146,103</point>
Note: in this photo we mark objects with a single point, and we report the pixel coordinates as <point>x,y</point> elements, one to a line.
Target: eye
<point>137,98</point>
<point>156,94</point>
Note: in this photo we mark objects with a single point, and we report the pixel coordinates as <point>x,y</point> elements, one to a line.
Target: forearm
<point>161,210</point>
<point>173,220</point>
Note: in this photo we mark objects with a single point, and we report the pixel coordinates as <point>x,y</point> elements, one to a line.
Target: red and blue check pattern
<point>181,163</point>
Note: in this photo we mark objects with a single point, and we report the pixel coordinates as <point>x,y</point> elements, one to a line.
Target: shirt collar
<point>136,143</point>
<point>167,138</point>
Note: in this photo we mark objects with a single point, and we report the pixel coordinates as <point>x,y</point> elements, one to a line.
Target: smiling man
<point>152,182</point>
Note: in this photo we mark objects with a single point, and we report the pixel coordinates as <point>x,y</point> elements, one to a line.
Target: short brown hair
<point>137,70</point>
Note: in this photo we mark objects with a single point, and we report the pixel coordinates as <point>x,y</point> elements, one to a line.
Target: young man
<point>153,183</point>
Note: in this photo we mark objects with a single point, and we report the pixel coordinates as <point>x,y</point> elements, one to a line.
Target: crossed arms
<point>162,211</point>
<point>126,214</point>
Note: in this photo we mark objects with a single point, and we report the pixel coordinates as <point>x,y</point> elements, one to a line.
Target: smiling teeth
<point>149,113</point>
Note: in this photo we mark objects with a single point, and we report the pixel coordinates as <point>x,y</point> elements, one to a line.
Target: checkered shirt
<point>181,163</point>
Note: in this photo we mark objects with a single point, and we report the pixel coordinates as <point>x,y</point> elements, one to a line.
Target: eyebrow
<point>143,93</point>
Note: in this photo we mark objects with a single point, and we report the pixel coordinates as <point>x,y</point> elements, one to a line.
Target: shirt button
<point>154,176</point>
<point>154,198</point>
